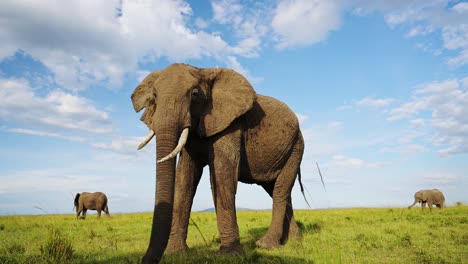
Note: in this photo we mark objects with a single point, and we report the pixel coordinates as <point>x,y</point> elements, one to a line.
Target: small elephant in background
<point>92,201</point>
<point>431,197</point>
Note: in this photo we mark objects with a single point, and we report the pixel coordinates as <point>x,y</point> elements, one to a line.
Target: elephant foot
<point>235,249</point>
<point>176,247</point>
<point>295,232</point>
<point>268,242</point>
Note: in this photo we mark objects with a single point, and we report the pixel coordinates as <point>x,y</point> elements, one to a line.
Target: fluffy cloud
<point>85,43</point>
<point>447,104</point>
<point>57,110</point>
<point>249,24</point>
<point>304,22</point>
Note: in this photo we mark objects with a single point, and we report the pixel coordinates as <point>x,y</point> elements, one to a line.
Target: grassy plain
<point>385,235</point>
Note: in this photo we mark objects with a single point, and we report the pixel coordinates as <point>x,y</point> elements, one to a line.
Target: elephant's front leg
<point>429,204</point>
<point>224,173</point>
<point>188,176</point>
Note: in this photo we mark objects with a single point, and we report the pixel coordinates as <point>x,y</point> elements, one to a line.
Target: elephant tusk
<point>146,140</point>
<point>180,145</point>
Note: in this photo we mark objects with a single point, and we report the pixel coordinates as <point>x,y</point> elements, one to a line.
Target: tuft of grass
<point>57,249</point>
<point>16,248</point>
<point>311,228</point>
<point>91,233</point>
<point>405,240</point>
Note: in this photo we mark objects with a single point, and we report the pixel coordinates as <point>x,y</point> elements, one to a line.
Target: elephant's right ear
<point>144,96</point>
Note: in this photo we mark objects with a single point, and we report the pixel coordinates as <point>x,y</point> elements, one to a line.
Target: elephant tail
<point>299,177</point>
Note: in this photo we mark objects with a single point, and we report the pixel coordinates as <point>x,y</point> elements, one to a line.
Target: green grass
<point>390,235</point>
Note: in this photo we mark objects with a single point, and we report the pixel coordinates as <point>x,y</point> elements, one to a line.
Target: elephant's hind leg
<point>290,227</point>
<point>283,222</point>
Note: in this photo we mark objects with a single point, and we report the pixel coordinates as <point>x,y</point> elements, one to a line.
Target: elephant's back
<point>271,129</point>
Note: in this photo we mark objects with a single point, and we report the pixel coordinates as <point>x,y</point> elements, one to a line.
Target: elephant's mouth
<point>182,140</point>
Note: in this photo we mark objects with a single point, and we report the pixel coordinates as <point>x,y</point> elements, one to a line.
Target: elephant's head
<point>179,99</point>
<point>421,196</point>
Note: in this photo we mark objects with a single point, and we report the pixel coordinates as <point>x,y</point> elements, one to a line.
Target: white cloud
<point>45,134</point>
<point>85,43</point>
<point>304,22</point>
<point>247,22</point>
<point>373,102</point>
<point>227,11</point>
<point>447,104</point>
<point>233,63</point>
<point>425,17</point>
<point>19,103</point>
<point>201,23</point>
<point>302,118</point>
<point>340,161</point>
<point>437,177</point>
<point>125,146</point>
<point>418,122</point>
<point>404,149</point>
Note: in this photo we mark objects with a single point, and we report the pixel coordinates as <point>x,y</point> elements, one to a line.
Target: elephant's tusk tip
<point>163,159</point>
<point>146,140</point>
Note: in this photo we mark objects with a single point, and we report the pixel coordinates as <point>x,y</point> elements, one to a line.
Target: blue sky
<point>380,89</point>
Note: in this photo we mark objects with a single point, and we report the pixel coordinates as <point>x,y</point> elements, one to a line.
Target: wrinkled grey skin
<point>431,197</point>
<point>239,134</point>
<point>91,201</point>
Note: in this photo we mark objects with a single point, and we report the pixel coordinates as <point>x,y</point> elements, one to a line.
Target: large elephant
<point>91,201</point>
<point>431,197</point>
<point>213,117</point>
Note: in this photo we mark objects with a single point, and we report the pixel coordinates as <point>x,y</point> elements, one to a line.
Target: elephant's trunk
<point>415,202</point>
<point>165,178</point>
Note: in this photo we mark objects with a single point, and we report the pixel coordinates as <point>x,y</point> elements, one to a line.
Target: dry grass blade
<point>321,178</point>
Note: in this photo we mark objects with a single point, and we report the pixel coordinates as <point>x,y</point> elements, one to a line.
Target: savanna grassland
<point>385,235</point>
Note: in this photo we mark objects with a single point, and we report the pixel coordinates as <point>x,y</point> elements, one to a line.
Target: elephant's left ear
<point>231,96</point>
<point>144,97</point>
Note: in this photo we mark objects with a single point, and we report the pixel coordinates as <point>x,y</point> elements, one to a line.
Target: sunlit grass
<point>389,235</point>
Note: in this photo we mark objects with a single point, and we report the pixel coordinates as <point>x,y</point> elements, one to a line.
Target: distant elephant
<point>213,117</point>
<point>92,201</point>
<point>431,197</point>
